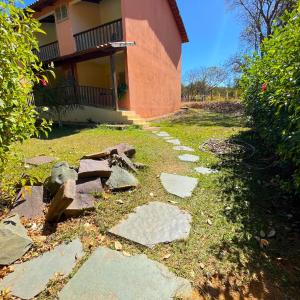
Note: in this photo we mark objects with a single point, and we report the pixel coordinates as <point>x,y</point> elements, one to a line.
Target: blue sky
<point>213,33</point>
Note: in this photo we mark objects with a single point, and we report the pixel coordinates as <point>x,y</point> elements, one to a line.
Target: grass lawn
<point>222,258</point>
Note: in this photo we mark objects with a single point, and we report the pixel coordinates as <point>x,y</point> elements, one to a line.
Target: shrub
<point>271,85</point>
<point>19,69</point>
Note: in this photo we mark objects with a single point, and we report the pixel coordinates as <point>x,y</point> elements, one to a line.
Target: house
<point>124,55</point>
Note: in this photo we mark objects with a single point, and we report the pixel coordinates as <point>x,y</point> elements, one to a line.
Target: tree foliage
<point>19,71</point>
<point>271,85</point>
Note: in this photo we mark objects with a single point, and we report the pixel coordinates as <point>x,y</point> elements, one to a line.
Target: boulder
<point>123,161</point>
<point>94,168</point>
<point>63,198</point>
<point>61,172</point>
<point>14,242</point>
<point>29,202</point>
<point>127,149</point>
<point>121,179</point>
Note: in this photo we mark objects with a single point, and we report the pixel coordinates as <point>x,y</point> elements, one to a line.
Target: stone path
<point>183,148</point>
<point>205,171</point>
<point>31,277</point>
<point>154,223</point>
<point>188,157</point>
<point>109,274</point>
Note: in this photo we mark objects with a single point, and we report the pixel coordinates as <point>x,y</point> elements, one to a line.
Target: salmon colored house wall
<point>154,64</point>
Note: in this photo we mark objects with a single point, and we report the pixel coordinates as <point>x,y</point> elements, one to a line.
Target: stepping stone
<point>84,200</point>
<point>121,179</point>
<point>39,160</point>
<point>14,241</point>
<point>188,157</point>
<point>154,223</point>
<point>162,134</point>
<point>168,138</point>
<point>183,148</point>
<point>94,168</point>
<point>61,172</point>
<point>205,171</point>
<point>31,277</point>
<point>109,274</point>
<point>29,202</point>
<point>181,186</point>
<point>174,142</point>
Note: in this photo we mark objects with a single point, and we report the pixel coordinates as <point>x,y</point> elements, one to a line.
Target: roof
<point>38,5</point>
<point>179,21</point>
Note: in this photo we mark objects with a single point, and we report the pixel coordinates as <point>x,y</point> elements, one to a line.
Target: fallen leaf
<point>192,273</point>
<point>272,233</point>
<point>126,253</point>
<point>209,222</point>
<point>118,246</point>
<point>151,195</point>
<point>173,202</point>
<point>120,201</point>
<point>201,266</point>
<point>264,243</point>
<point>167,256</point>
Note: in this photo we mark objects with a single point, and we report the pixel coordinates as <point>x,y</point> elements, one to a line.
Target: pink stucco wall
<point>154,64</point>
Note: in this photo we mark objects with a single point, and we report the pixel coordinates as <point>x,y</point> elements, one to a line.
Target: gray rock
<point>123,161</point>
<point>29,202</point>
<point>109,275</point>
<point>154,223</point>
<point>63,198</point>
<point>188,157</point>
<point>121,179</point>
<point>181,186</point>
<point>39,160</point>
<point>14,241</point>
<point>94,168</point>
<point>205,171</point>
<point>162,134</point>
<point>183,148</point>
<point>174,142</point>
<point>61,172</point>
<point>31,277</point>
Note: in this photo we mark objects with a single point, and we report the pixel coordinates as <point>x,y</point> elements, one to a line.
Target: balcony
<point>103,34</point>
<point>48,52</point>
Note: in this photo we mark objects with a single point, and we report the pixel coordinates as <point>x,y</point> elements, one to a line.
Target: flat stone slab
<point>89,186</point>
<point>188,157</point>
<point>110,275</point>
<point>183,148</point>
<point>154,223</point>
<point>205,171</point>
<point>30,202</point>
<point>94,168</point>
<point>14,241</point>
<point>174,142</point>
<point>121,179</point>
<point>181,186</point>
<point>81,203</point>
<point>31,277</point>
<point>39,160</point>
<point>162,134</point>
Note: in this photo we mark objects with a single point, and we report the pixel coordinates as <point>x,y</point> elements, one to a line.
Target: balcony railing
<point>48,52</point>
<point>109,32</point>
<point>75,95</point>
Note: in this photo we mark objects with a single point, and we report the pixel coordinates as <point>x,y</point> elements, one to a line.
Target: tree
<point>20,69</point>
<point>259,16</point>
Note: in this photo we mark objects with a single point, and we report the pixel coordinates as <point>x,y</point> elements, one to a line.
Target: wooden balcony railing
<point>109,32</point>
<point>48,52</point>
<point>75,95</point>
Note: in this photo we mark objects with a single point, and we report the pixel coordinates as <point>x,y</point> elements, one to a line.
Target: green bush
<point>20,69</point>
<point>271,85</point>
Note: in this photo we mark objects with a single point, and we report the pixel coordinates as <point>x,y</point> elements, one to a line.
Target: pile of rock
<point>72,191</point>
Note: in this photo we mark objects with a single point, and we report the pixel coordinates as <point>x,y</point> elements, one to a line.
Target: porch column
<point>114,80</point>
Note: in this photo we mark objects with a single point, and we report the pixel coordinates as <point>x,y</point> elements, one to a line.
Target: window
<point>61,13</point>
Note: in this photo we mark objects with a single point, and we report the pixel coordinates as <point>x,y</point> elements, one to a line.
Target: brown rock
<point>89,186</point>
<point>94,168</point>
<point>29,202</point>
<point>99,155</point>
<point>39,160</point>
<point>126,149</point>
<point>123,161</point>
<point>64,197</point>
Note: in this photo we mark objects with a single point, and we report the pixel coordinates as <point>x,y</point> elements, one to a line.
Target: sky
<point>212,29</point>
<point>213,33</point>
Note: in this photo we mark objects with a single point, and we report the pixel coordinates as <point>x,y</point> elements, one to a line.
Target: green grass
<point>230,199</point>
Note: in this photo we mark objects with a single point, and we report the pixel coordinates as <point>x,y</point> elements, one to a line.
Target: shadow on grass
<point>266,247</point>
<point>59,132</point>
<point>206,119</point>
